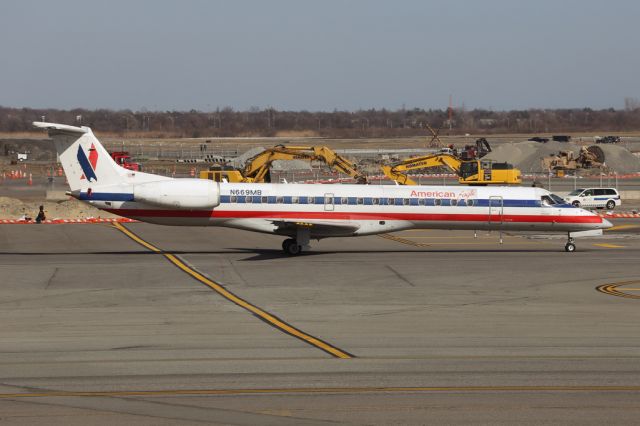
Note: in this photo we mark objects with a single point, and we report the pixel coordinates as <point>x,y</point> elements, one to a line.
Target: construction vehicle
<point>477,151</point>
<point>122,158</point>
<point>470,172</point>
<point>591,157</point>
<point>257,168</point>
<point>467,164</point>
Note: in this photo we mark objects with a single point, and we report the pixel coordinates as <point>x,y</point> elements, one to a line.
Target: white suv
<point>608,198</point>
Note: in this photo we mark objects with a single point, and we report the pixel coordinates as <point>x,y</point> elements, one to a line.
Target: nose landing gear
<point>570,247</point>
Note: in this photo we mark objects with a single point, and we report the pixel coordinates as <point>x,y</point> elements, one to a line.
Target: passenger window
<point>328,200</point>
<point>375,201</point>
<point>279,200</point>
<point>422,202</point>
<point>405,201</point>
<point>264,200</point>
<point>344,200</point>
<point>454,202</point>
<point>587,193</point>
<point>462,202</point>
<point>437,202</point>
<point>295,200</point>
<point>610,192</point>
<point>360,200</point>
<point>248,199</point>
<point>599,192</point>
<point>310,200</point>
<point>470,203</point>
<point>233,199</point>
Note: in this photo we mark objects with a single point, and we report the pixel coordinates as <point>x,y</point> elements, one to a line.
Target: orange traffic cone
<point>59,171</point>
<point>193,172</point>
<point>30,181</point>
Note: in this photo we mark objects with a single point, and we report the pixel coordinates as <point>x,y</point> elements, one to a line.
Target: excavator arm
<point>257,168</point>
<point>397,171</point>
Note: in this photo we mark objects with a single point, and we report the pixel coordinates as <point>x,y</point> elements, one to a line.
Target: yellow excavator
<point>256,168</point>
<point>470,172</point>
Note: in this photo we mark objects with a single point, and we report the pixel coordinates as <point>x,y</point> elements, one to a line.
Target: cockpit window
<point>557,199</point>
<point>552,200</point>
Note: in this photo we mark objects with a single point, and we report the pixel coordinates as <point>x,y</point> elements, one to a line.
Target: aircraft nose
<point>606,224</point>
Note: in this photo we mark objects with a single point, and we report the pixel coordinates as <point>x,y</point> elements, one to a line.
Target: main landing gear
<point>295,246</point>
<point>291,247</point>
<point>570,247</point>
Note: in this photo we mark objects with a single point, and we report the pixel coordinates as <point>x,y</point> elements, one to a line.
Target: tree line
<point>339,124</point>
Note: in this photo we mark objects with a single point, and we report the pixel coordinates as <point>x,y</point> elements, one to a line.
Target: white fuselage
<point>351,210</point>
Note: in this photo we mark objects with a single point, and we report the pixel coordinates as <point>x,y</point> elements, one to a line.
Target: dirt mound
<point>13,208</point>
<point>527,156</point>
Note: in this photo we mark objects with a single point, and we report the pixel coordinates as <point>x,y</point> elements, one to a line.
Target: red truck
<point>124,159</point>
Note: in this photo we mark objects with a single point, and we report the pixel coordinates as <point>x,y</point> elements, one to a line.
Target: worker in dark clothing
<point>41,216</point>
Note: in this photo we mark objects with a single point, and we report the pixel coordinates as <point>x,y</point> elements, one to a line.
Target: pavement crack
<point>53,275</point>
<point>400,276</point>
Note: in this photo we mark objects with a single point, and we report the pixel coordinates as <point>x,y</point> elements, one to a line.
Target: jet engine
<point>179,193</point>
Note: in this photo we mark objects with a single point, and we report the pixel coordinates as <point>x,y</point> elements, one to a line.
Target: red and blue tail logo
<point>88,164</point>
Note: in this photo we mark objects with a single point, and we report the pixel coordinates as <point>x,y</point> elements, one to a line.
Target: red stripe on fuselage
<point>260,214</point>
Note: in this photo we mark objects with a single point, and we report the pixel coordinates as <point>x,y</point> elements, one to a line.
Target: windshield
<point>576,191</point>
<point>551,200</point>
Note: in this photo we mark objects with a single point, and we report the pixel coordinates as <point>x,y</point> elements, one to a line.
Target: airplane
<point>302,212</point>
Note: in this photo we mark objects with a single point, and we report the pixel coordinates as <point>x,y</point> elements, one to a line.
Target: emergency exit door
<point>328,202</point>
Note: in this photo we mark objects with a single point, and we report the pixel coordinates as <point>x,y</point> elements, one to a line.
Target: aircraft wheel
<point>291,247</point>
<point>611,205</point>
<point>285,244</point>
<point>294,249</point>
<point>570,247</point>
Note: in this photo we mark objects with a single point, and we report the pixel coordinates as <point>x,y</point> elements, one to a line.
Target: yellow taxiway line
<point>320,390</point>
<point>617,289</point>
<point>607,245</point>
<point>221,290</point>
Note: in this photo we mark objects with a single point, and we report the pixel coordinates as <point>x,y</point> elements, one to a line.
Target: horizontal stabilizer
<point>57,129</point>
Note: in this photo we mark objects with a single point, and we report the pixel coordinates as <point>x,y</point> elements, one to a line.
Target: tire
<point>576,204</point>
<point>293,249</point>
<point>611,205</point>
<point>285,244</point>
<point>570,247</point>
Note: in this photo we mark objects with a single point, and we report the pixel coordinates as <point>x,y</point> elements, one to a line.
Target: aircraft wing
<point>316,227</point>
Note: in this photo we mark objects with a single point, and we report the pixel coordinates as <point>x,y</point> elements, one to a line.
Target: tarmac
<point>135,323</point>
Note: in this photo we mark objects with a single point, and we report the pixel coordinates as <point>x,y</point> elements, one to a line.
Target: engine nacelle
<point>179,193</point>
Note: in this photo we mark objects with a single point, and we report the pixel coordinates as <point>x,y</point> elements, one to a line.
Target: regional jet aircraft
<point>305,212</point>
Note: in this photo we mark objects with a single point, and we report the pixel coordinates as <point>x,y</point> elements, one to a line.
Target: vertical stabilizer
<point>85,161</point>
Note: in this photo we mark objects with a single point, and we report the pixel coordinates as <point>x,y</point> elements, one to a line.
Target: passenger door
<point>496,210</point>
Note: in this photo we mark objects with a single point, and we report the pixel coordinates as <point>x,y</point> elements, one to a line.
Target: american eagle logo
<point>88,164</point>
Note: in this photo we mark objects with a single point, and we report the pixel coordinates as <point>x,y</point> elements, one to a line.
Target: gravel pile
<point>527,156</point>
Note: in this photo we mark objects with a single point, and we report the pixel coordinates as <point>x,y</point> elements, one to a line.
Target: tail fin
<point>85,161</point>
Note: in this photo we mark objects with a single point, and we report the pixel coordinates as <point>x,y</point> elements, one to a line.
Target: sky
<point>318,55</point>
